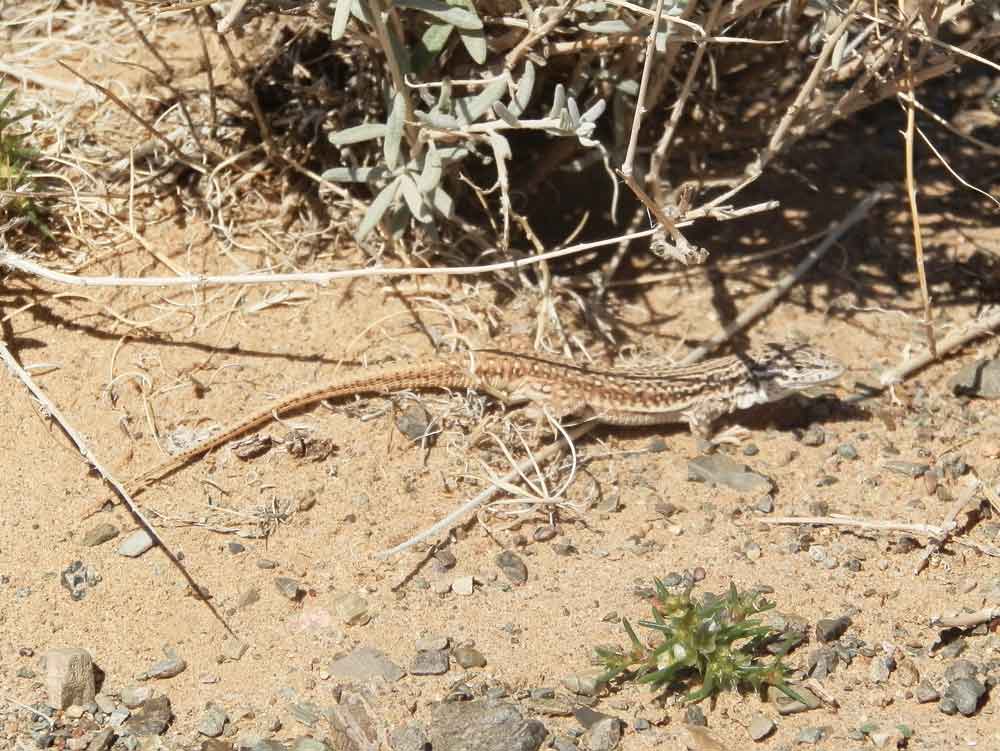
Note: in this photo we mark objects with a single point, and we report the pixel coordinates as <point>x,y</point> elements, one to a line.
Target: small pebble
<point>761,726</point>
<point>847,451</point>
<point>463,585</point>
<point>289,588</point>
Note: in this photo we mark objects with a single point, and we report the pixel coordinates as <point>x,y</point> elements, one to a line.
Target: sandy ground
<point>205,357</point>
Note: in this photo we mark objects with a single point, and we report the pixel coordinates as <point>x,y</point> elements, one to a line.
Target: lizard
<point>639,396</point>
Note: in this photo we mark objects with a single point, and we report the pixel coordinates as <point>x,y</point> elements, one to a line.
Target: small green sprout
<point>713,642</point>
<point>16,161</point>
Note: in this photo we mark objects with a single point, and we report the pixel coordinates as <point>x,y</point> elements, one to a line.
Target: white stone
<point>69,677</point>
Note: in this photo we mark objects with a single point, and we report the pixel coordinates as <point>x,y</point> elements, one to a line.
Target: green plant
<point>16,160</point>
<point>714,642</point>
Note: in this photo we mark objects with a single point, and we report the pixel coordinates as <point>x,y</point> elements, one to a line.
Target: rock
<point>352,609</point>
<point>414,423</point>
<point>719,469</point>
<point>483,726</point>
<point>847,451</point>
<point>408,738</point>
<point>604,735</point>
<point>99,535</point>
<point>761,726</point>
<point>432,662</point>
<point>925,692</point>
<point>468,657</point>
<point>881,668</point>
<point>909,469</point>
<point>289,588</point>
<point>135,544</point>
<point>69,677</point>
<point>810,736</point>
<point>907,674</point>
<point>213,744</point>
<point>102,740</point>
<point>213,722</point>
<point>831,629</point>
<point>431,643</point>
<point>584,684</point>
<point>964,694</point>
<point>105,703</point>
<point>166,668</point>
<point>153,718</point>
<point>787,705</point>
<point>135,696</point>
<point>117,718</point>
<point>960,669</point>
<point>814,436</point>
<point>513,567</point>
<point>233,650</point>
<point>889,738</point>
<point>463,585</point>
<point>363,664</point>
<point>980,378</point>
<point>305,743</point>
<point>247,598</point>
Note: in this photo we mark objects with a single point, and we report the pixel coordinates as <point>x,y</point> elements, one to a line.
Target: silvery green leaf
<point>355,174</point>
<point>607,27</point>
<point>396,222</point>
<point>394,130</point>
<point>438,120</point>
<point>460,18</point>
<point>501,146</point>
<point>558,101</point>
<point>414,199</point>
<point>430,177</point>
<point>838,52</point>
<point>340,18</point>
<point>377,208</point>
<point>506,115</point>
<point>362,12</point>
<point>475,43</point>
<point>628,87</point>
<point>452,153</point>
<point>595,111</point>
<point>400,50</point>
<point>661,41</point>
<point>436,36</point>
<point>591,8</point>
<point>357,134</point>
<point>525,86</point>
<point>574,111</point>
<point>443,203</point>
<point>471,109</point>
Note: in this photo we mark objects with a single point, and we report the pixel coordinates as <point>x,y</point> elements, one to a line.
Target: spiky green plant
<point>713,643</point>
<point>16,159</point>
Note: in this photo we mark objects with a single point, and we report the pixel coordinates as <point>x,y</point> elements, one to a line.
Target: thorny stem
<point>647,67</point>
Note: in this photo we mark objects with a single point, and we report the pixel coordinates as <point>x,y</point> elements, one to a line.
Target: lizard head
<point>782,369</point>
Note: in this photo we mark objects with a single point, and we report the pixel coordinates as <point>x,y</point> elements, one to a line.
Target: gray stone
<point>432,662</point>
<point>980,378</point>
<point>289,588</point>
<point>831,629</point>
<point>99,535</point>
<point>135,696</point>
<point>117,718</point>
<point>233,649</point>
<point>352,609</point>
<point>102,740</point>
<point>430,643</point>
<point>909,469</point>
<point>168,667</point>
<point>965,693</point>
<point>847,451</point>
<point>761,726</point>
<point>483,726</point>
<point>584,684</point>
<point>604,735</point>
<point>960,669</point>
<point>814,436</point>
<point>787,705</point>
<point>363,664</point>
<point>135,544</point>
<point>925,692</point>
<point>153,718</point>
<point>69,677</point>
<point>105,703</point>
<point>213,722</point>
<point>719,469</point>
<point>408,738</point>
<point>512,566</point>
<point>468,657</point>
<point>810,736</point>
<point>305,743</point>
<point>881,668</point>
